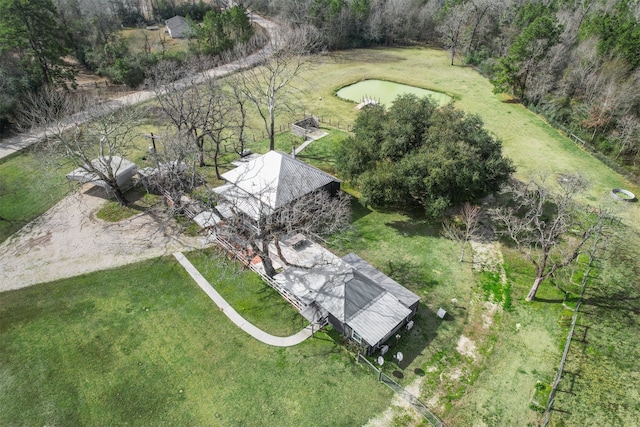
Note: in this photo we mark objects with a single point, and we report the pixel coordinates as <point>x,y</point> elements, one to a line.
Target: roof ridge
<point>366,307</point>
<point>357,275</point>
<point>295,159</point>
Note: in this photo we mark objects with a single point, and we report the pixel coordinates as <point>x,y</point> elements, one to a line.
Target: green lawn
<point>248,294</point>
<point>143,345</point>
<point>86,352</point>
<point>26,191</point>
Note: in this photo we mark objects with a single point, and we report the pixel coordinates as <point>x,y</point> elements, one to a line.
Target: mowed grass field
<point>503,387</point>
<point>143,345</point>
<point>493,389</point>
<point>27,190</point>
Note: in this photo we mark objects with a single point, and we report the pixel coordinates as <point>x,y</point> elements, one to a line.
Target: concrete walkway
<point>313,137</point>
<point>235,317</point>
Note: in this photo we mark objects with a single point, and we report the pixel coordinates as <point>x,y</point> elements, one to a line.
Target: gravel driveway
<point>69,240</point>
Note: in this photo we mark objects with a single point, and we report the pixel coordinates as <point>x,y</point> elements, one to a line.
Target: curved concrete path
<point>233,315</point>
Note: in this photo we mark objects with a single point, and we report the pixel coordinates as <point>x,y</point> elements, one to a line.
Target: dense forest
<point>577,62</point>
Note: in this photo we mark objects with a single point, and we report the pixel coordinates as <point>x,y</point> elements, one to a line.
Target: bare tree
<point>481,12</point>
<point>628,135</point>
<point>196,105</point>
<point>452,28</point>
<point>547,226</point>
<point>97,148</point>
<point>316,215</point>
<point>269,86</point>
<point>464,226</point>
<point>240,121</point>
<point>175,173</point>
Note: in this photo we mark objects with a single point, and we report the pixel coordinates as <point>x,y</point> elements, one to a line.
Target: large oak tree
<point>419,153</point>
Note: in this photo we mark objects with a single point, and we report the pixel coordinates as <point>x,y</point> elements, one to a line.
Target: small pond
<point>386,92</point>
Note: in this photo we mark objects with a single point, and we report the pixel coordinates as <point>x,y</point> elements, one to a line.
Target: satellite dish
<point>399,356</point>
<point>409,325</point>
<point>380,360</point>
<point>384,349</point>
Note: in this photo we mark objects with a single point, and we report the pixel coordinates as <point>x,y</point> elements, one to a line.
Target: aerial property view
<point>319,213</point>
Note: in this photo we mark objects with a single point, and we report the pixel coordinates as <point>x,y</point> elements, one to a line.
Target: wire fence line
<point>546,418</point>
<point>398,389</point>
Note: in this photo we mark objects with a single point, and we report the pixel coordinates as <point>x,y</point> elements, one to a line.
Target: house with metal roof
<point>359,301</point>
<point>178,27</point>
<point>259,187</point>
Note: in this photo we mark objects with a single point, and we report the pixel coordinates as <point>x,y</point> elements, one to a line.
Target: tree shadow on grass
<point>616,301</point>
<point>409,275</point>
<point>134,196</point>
<point>358,210</point>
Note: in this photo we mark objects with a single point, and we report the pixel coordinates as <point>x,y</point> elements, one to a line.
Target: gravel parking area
<point>69,240</point>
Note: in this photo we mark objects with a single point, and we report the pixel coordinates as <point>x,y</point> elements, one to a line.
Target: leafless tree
<point>240,121</point>
<point>628,135</point>
<point>175,173</point>
<point>96,147</point>
<point>452,28</point>
<point>316,215</point>
<point>196,104</point>
<point>269,86</point>
<point>547,226</point>
<point>463,227</point>
<point>480,12</point>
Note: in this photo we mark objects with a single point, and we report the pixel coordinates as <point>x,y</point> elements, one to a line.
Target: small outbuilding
<point>122,169</point>
<point>178,27</point>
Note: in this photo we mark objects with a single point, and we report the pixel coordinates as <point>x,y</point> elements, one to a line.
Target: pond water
<point>386,92</point>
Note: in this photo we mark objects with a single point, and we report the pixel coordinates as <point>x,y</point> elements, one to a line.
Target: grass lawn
<point>143,345</point>
<point>249,295</point>
<point>141,40</point>
<point>87,351</point>
<point>26,191</point>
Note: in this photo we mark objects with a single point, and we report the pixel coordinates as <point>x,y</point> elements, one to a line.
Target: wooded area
<point>576,62</point>
<point>46,42</point>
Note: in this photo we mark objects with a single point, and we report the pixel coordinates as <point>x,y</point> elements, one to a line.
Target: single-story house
<point>121,168</point>
<point>261,186</point>
<point>178,27</point>
<point>359,301</point>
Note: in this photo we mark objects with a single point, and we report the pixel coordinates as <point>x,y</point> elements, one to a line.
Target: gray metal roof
<point>376,321</point>
<point>178,27</point>
<point>275,179</point>
<point>403,294</point>
<point>122,169</point>
<point>347,291</point>
<point>358,294</point>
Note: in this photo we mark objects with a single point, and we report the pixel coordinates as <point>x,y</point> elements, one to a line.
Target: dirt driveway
<point>69,240</point>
